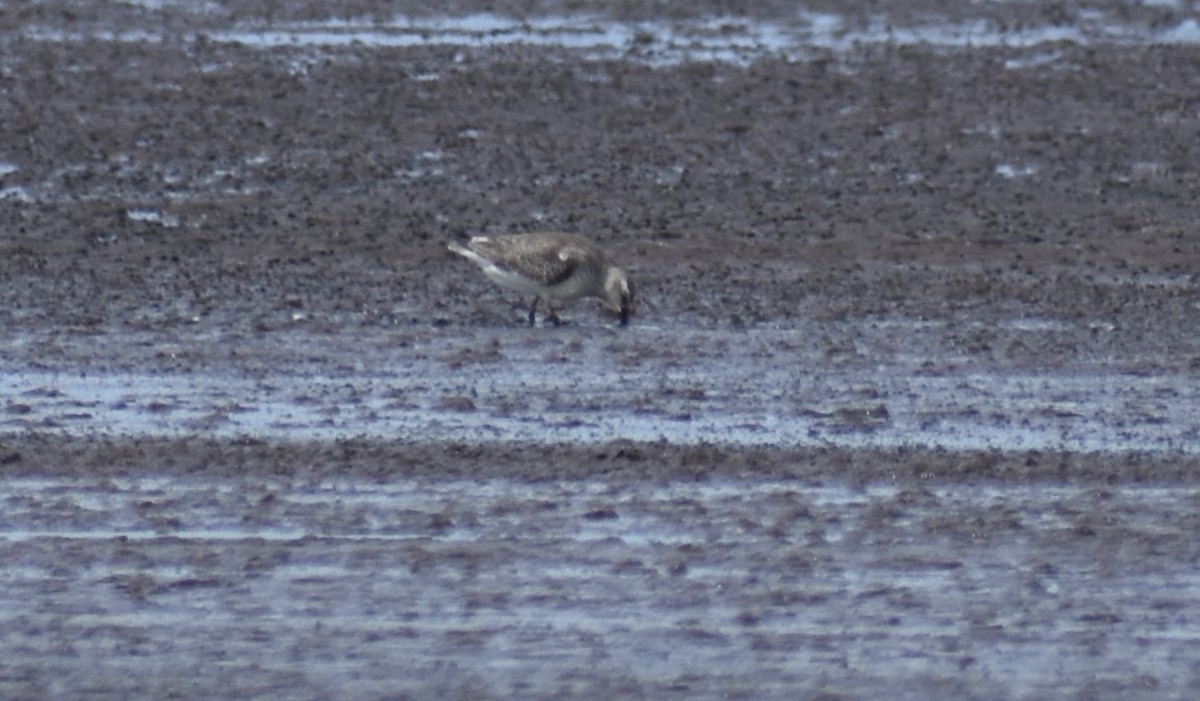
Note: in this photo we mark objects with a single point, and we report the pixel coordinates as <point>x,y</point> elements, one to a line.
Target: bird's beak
<point>626,309</point>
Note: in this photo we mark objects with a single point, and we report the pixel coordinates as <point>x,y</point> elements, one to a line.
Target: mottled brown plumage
<point>551,266</point>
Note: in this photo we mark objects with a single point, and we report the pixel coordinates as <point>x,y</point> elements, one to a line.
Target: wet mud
<point>908,407</point>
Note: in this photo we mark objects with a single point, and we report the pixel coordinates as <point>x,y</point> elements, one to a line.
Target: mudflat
<point>909,405</point>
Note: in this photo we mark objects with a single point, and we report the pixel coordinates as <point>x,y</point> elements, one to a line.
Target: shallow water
<point>722,38</point>
<point>759,387</point>
<point>656,587</point>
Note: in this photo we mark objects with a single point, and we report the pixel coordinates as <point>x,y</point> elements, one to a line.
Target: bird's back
<point>549,259</point>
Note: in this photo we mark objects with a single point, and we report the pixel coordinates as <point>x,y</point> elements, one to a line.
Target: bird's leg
<point>533,311</point>
<point>552,315</point>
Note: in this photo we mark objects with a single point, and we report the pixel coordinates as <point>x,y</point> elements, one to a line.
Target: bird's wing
<point>568,259</point>
<point>545,259</point>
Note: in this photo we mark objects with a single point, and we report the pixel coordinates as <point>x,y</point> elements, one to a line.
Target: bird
<point>550,266</point>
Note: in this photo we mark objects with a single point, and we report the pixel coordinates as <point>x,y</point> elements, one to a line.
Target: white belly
<point>513,281</point>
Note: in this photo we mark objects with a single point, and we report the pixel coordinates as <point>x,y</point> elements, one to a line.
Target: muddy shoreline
<point>909,407</point>
<point>622,461</point>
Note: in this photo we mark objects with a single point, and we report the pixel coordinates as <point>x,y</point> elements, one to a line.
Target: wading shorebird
<point>554,267</point>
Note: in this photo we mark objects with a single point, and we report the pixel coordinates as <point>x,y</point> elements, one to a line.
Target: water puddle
<point>724,402</point>
<point>724,39</point>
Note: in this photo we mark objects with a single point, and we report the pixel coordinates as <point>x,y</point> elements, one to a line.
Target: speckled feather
<point>547,259</point>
